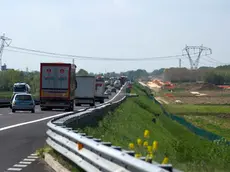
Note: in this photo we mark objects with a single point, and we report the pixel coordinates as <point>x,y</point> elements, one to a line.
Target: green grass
<point>202,109</point>
<point>215,124</point>
<point>186,151</point>
<point>5,94</point>
<point>62,160</point>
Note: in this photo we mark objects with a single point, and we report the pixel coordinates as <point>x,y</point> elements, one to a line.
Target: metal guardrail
<point>91,154</point>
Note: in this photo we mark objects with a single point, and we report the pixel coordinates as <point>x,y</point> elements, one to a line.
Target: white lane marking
<point>30,160</point>
<point>23,162</point>
<point>33,157</point>
<point>14,169</point>
<point>20,165</point>
<point>33,154</point>
<point>1,114</point>
<point>34,121</point>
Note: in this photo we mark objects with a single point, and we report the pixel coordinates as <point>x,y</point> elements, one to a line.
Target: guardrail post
<point>97,140</point>
<point>89,137</point>
<point>82,134</point>
<point>106,143</point>
<point>117,147</point>
<point>132,153</point>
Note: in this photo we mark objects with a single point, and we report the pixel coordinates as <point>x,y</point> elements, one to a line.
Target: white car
<point>23,102</point>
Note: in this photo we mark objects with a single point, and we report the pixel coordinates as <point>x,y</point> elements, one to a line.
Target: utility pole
<point>197,50</point>
<point>179,63</point>
<point>4,42</point>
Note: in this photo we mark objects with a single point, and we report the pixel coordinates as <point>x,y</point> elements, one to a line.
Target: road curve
<point>17,142</point>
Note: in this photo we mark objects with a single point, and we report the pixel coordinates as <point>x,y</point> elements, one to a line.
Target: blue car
<point>23,102</point>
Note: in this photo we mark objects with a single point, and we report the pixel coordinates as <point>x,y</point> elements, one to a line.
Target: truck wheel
<point>71,107</point>
<point>43,109</point>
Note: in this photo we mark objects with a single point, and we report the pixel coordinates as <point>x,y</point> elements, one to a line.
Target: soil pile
<point>208,86</point>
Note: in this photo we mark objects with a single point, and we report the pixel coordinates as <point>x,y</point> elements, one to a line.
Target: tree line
<point>219,75</point>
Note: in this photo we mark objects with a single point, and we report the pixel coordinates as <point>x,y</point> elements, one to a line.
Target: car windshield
<point>23,97</point>
<point>20,89</point>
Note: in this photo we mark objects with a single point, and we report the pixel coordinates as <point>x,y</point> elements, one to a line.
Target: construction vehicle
<point>57,86</point>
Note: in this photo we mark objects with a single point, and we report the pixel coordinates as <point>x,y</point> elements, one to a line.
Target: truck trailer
<point>57,86</point>
<point>100,90</point>
<point>85,91</point>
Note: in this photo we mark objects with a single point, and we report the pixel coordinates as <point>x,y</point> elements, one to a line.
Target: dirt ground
<point>187,93</point>
<point>199,100</point>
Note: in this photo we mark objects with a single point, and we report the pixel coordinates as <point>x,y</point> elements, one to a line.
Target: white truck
<point>100,90</point>
<point>85,91</point>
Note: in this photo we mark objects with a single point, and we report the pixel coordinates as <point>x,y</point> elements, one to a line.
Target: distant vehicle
<point>21,88</point>
<point>113,89</point>
<point>85,92</point>
<point>108,92</point>
<point>57,86</point>
<point>123,79</point>
<point>117,84</point>
<point>106,83</point>
<point>100,90</point>
<point>111,80</point>
<point>23,102</point>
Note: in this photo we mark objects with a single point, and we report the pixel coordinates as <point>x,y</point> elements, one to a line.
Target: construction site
<point>189,93</point>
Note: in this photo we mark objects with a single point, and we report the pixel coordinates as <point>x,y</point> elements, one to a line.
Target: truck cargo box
<point>57,85</point>
<point>85,91</point>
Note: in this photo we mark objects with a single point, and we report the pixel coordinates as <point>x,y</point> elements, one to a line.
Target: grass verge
<point>217,124</point>
<point>5,94</point>
<point>202,109</point>
<point>186,151</point>
<point>61,159</point>
<point>213,118</point>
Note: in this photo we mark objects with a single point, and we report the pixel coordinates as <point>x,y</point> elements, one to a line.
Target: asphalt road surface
<point>21,134</point>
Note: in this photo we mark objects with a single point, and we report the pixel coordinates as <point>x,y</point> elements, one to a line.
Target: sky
<point>115,29</point>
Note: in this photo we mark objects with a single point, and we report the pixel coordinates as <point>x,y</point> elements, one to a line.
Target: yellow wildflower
<point>137,155</point>
<point>149,149</point>
<point>139,142</point>
<point>166,160</point>
<point>145,144</point>
<point>131,146</point>
<point>155,145</point>
<point>146,134</point>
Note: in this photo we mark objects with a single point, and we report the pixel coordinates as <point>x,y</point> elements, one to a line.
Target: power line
<point>59,55</point>
<point>37,54</point>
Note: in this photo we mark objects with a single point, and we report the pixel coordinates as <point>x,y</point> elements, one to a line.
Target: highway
<point>22,133</point>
